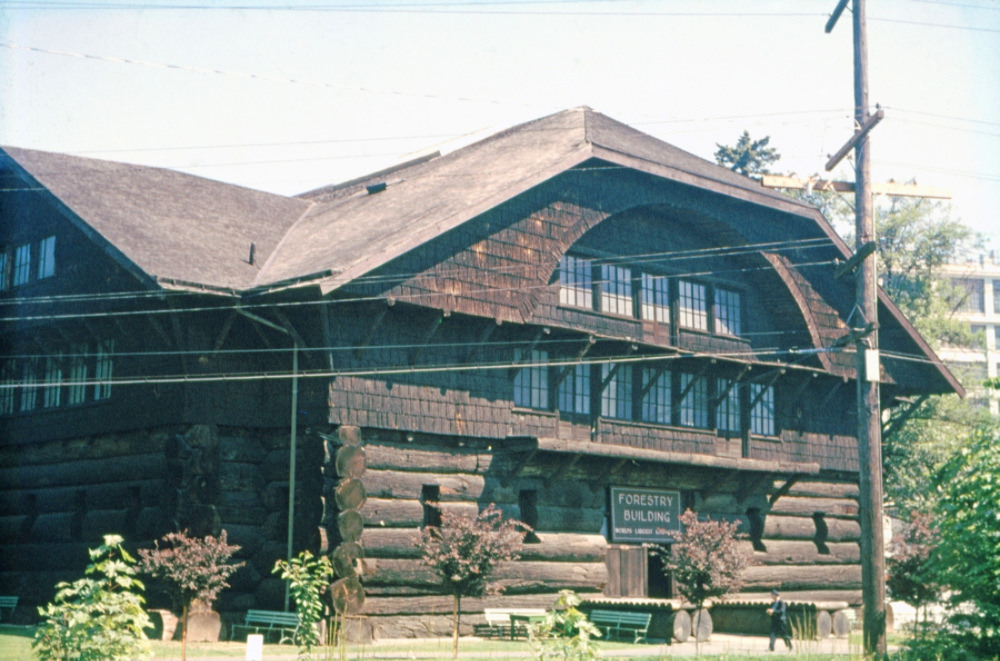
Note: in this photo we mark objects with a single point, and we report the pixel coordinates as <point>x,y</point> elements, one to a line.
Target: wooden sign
<point>648,516</point>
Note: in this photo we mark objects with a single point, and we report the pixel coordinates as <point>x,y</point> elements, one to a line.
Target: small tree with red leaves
<point>191,568</point>
<point>706,559</point>
<point>464,551</point>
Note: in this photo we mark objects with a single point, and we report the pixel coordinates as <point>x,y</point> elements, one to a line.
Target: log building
<point>571,319</point>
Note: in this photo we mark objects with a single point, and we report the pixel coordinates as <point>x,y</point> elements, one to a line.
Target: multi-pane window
<point>762,413</point>
<point>655,298</point>
<point>29,390</point>
<point>574,391</point>
<point>974,300</point>
<point>693,305</point>
<point>4,261</point>
<point>693,407</point>
<point>77,375</point>
<point>47,257</point>
<point>52,392</point>
<point>727,408</point>
<point>656,395</point>
<point>616,290</point>
<point>103,370</point>
<point>8,382</point>
<point>616,398</point>
<point>22,264</point>
<point>531,383</point>
<point>996,297</point>
<point>576,282</point>
<point>726,311</point>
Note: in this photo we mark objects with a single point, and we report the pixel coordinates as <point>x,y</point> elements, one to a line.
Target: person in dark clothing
<point>779,620</point>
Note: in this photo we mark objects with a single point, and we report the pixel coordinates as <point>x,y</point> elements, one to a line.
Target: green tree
<point>706,559</point>
<point>309,577</point>
<point>191,568</point>
<point>967,557</point>
<point>749,157</point>
<point>99,617</point>
<point>465,551</point>
<point>909,577</point>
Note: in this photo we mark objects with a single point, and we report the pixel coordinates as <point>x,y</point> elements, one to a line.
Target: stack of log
<point>342,524</point>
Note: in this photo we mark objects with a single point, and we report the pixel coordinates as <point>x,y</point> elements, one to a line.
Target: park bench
<point>269,623</point>
<point>500,624</point>
<point>9,603</point>
<point>621,624</point>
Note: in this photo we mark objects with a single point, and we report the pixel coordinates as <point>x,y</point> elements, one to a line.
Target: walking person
<point>779,621</point>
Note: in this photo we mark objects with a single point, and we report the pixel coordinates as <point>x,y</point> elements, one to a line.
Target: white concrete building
<point>981,279</point>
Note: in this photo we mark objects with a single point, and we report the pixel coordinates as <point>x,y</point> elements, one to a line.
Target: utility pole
<point>869,413</point>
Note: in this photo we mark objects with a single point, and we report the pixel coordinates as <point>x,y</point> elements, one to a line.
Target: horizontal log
<point>93,496</point>
<point>382,512</point>
<point>72,556</point>
<point>241,449</point>
<point>239,476</point>
<point>84,472</point>
<point>555,547</point>
<point>803,577</point>
<point>350,461</point>
<point>790,552</point>
<point>384,456</point>
<point>444,604</point>
<point>409,484</point>
<point>801,527</point>
<point>821,489</point>
<point>807,505</point>
<point>519,576</point>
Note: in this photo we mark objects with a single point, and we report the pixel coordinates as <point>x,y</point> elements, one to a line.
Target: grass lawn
<point>15,645</point>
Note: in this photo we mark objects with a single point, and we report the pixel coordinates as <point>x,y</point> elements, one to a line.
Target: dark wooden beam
<point>700,373</point>
<point>591,340</point>
<point>379,316</point>
<point>614,370</point>
<point>227,325</point>
<point>732,384</point>
<point>750,486</point>
<point>899,420</point>
<point>428,335</point>
<point>519,466</point>
<point>526,356</point>
<point>483,338</point>
<point>784,489</point>
<point>556,474</point>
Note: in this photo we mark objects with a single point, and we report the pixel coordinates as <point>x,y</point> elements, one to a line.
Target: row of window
<point>644,393</point>
<point>26,262</point>
<point>623,290</point>
<point>82,374</point>
<point>975,289</point>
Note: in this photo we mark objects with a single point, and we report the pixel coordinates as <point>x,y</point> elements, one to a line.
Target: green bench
<point>10,603</point>
<point>508,622</point>
<point>621,624</point>
<point>269,623</point>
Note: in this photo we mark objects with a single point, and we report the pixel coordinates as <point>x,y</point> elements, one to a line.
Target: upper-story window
<point>574,391</point>
<point>104,369</point>
<point>974,300</point>
<point>33,382</point>
<point>655,298</point>
<point>47,257</point>
<point>762,411</point>
<point>29,388</point>
<point>22,264</point>
<point>726,312</point>
<point>52,396</point>
<point>616,290</point>
<point>616,398</point>
<point>727,408</point>
<point>692,301</point>
<point>531,383</point>
<point>18,265</point>
<point>77,375</point>
<point>576,282</point>
<point>693,406</point>
<point>996,297</point>
<point>656,400</point>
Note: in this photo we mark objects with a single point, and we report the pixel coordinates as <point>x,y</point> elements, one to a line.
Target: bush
<point>99,617</point>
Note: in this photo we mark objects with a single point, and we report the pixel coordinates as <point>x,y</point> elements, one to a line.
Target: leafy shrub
<point>99,617</point>
<point>309,577</point>
<point>191,568</point>
<point>565,633</point>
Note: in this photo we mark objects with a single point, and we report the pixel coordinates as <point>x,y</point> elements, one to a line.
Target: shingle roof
<point>172,226</point>
<point>350,231</point>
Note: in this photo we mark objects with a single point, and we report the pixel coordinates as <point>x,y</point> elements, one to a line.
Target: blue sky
<point>287,97</point>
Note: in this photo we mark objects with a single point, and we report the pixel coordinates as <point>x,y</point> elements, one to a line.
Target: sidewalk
<point>737,645</point>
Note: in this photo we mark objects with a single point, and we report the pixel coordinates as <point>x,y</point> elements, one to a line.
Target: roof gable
<point>176,228</point>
